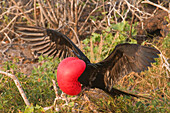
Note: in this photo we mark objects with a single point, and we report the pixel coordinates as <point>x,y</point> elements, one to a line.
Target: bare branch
<point>164,61</point>
<point>55,88</point>
<point>45,14</point>
<point>12,21</point>
<point>17,83</point>
<point>159,6</point>
<point>88,18</point>
<point>75,35</point>
<point>9,23</point>
<point>26,16</point>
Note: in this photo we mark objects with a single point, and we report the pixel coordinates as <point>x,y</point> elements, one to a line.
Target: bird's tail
<point>116,92</point>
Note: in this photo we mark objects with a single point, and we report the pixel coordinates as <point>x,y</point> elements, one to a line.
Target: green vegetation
<point>101,45</point>
<point>38,86</point>
<point>39,89</point>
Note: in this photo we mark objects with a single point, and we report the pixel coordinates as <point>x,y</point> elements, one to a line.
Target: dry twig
<point>164,60</point>
<point>159,6</point>
<point>55,101</point>
<point>22,11</point>
<point>17,83</point>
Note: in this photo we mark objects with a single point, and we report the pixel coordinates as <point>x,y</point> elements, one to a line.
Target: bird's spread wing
<point>124,59</point>
<point>49,42</point>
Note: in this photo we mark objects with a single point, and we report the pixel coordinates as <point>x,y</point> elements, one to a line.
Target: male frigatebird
<point>75,73</point>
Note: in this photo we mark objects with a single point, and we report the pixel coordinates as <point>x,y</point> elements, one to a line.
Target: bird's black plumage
<point>124,59</point>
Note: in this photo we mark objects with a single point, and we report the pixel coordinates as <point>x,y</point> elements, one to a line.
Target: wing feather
<point>126,58</point>
<point>49,42</point>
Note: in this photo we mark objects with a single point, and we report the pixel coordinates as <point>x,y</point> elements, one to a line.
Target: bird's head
<point>68,72</point>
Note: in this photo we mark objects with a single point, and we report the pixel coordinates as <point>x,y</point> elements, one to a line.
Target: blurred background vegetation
<point>96,26</point>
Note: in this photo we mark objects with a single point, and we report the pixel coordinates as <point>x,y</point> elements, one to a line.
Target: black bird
<point>124,59</point>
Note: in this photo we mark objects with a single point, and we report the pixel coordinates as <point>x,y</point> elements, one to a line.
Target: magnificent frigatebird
<point>76,71</point>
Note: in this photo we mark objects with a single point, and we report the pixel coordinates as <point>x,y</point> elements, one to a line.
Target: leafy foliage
<point>103,44</point>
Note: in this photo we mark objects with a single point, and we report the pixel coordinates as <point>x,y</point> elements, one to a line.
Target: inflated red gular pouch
<point>68,72</point>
